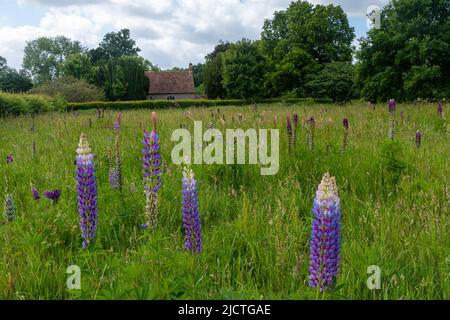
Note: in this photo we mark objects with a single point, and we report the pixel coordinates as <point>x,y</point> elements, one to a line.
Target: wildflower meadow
<point>358,208</point>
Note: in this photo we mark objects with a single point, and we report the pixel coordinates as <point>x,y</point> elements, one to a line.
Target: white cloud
<point>169,32</point>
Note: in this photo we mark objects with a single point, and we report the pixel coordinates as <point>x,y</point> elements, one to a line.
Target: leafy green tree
<point>298,41</point>
<point>44,56</point>
<point>12,80</point>
<point>123,78</point>
<point>243,70</point>
<point>407,58</point>
<point>3,64</point>
<point>114,45</point>
<point>77,65</point>
<point>334,81</point>
<point>212,72</point>
<point>69,88</point>
<point>197,70</point>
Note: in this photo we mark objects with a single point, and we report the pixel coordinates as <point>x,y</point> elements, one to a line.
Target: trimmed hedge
<point>161,104</point>
<point>20,103</point>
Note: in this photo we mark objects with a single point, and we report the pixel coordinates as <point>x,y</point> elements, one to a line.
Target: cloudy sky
<point>169,32</point>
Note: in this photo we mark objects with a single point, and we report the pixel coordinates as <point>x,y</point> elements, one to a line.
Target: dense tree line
<point>304,51</point>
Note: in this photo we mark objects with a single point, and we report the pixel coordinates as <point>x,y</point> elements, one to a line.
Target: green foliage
<point>407,58</point>
<point>123,78</point>
<point>243,70</point>
<point>197,71</point>
<point>14,104</point>
<point>12,80</point>
<point>70,89</point>
<point>299,40</point>
<point>44,56</point>
<point>213,72</point>
<point>392,164</point>
<point>115,45</point>
<point>335,81</point>
<point>78,65</point>
<point>163,104</point>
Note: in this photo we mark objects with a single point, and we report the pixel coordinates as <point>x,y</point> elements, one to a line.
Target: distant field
<point>395,200</point>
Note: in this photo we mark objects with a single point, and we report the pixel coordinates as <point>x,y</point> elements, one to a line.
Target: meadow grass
<point>256,229</point>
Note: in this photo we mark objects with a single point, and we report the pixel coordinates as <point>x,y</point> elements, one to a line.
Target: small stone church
<point>171,85</point>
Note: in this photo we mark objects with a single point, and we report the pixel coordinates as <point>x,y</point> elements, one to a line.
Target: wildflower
<point>87,191</point>
<point>53,195</point>
<point>345,141</point>
<point>35,193</point>
<point>295,128</point>
<point>325,245</point>
<point>151,161</point>
<point>391,105</point>
<point>439,110</point>
<point>9,158</point>
<point>289,133</point>
<point>418,138</point>
<point>190,212</point>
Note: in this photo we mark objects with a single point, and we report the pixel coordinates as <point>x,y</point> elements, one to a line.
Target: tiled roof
<point>162,82</point>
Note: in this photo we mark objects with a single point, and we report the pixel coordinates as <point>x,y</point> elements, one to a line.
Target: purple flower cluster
<point>53,195</point>
<point>87,191</point>
<point>190,213</point>
<point>9,158</point>
<point>35,193</point>
<point>295,117</point>
<point>151,162</point>
<point>325,245</point>
<point>118,122</point>
<point>345,139</point>
<point>345,123</point>
<point>418,138</point>
<point>439,110</point>
<point>289,133</point>
<point>391,105</point>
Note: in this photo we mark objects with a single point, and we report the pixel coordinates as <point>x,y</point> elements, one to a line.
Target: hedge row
<point>14,104</point>
<point>162,104</point>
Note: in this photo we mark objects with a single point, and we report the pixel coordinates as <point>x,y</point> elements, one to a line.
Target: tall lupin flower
<point>9,158</point>
<point>151,161</point>
<point>191,212</point>
<point>295,128</point>
<point>87,191</point>
<point>391,105</point>
<point>289,133</point>
<point>9,211</point>
<point>439,110</point>
<point>35,193</point>
<point>345,139</point>
<point>52,195</point>
<point>325,245</point>
<point>418,138</point>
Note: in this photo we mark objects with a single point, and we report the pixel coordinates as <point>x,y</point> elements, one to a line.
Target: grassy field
<point>395,202</point>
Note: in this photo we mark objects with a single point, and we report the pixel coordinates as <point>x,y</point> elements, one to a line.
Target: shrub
<point>27,103</point>
<point>71,89</point>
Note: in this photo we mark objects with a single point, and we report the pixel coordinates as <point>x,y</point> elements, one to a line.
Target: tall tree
<point>77,65</point>
<point>12,80</point>
<point>197,70</point>
<point>114,45</point>
<point>44,56</point>
<point>300,40</point>
<point>243,70</point>
<point>407,57</point>
<point>213,72</point>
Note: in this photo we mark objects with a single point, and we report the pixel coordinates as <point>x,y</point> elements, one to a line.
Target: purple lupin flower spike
<point>53,195</point>
<point>295,128</point>
<point>190,212</point>
<point>345,139</point>
<point>9,158</point>
<point>391,105</point>
<point>87,191</point>
<point>439,110</point>
<point>418,138</point>
<point>325,245</point>
<point>35,193</point>
<point>289,133</point>
<point>151,162</point>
